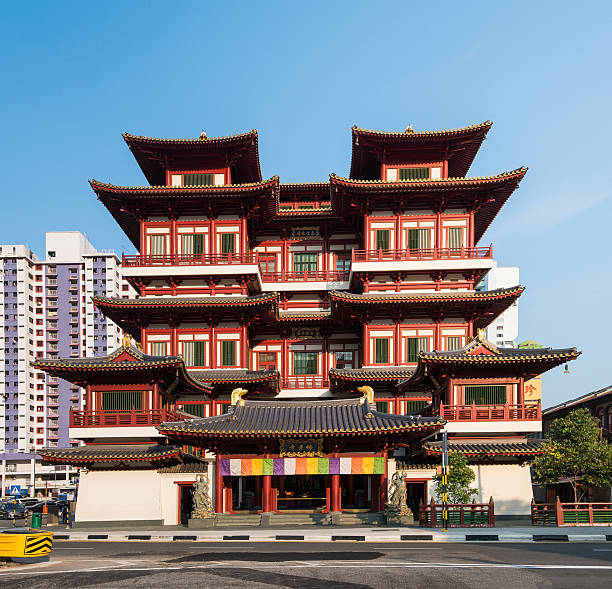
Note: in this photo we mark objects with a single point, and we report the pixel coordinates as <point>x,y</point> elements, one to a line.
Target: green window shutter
<point>383,239</point>
<point>198,353</point>
<point>412,406</point>
<point>303,262</point>
<point>421,173</point>
<point>121,400</point>
<point>419,239</point>
<point>228,243</point>
<point>412,349</point>
<point>197,410</point>
<point>485,394</point>
<point>381,350</point>
<point>198,244</point>
<point>228,353</point>
<point>158,245</point>
<point>225,408</point>
<point>453,343</point>
<point>158,348</point>
<point>198,179</point>
<point>382,406</point>
<point>455,238</point>
<point>305,363</point>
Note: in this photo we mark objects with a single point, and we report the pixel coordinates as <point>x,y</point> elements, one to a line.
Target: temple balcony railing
<point>122,417</point>
<point>304,382</point>
<point>305,276</point>
<point>426,254</point>
<point>462,259</point>
<point>481,413</point>
<point>143,261</point>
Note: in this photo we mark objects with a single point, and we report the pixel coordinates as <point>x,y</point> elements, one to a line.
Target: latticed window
<point>305,262</point>
<point>158,245</point>
<point>228,353</point>
<point>305,363</point>
<point>266,360</point>
<point>455,238</point>
<point>412,406</point>
<point>193,353</point>
<point>414,345</point>
<point>413,173</point>
<point>158,348</point>
<point>228,243</point>
<point>193,244</point>
<point>419,239</point>
<point>381,350</point>
<point>492,394</point>
<point>198,179</point>
<point>383,239</point>
<point>344,359</point>
<point>453,342</point>
<point>121,400</point>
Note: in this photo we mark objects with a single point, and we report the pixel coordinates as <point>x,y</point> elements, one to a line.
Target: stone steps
<point>362,519</point>
<point>299,519</point>
<point>238,519</point>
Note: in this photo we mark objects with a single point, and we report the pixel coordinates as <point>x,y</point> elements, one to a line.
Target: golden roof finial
<point>237,395</point>
<point>368,394</point>
<point>127,340</point>
<point>482,334</point>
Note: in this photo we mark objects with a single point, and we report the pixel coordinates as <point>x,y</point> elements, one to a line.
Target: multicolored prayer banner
<point>236,467</point>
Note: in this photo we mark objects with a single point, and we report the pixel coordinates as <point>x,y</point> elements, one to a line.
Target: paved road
<point>297,565</point>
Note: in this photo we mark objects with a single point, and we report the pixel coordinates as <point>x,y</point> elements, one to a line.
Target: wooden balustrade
<point>410,255</point>
<point>122,417</point>
<point>187,260</point>
<point>306,276</point>
<point>571,514</point>
<point>506,412</point>
<point>304,382</point>
<point>460,515</point>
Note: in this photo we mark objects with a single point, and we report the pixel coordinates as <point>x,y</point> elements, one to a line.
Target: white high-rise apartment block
<point>47,311</point>
<point>503,331</point>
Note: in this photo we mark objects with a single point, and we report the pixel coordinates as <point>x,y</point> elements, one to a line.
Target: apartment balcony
<point>306,280</point>
<point>304,382</point>
<point>187,264</point>
<point>524,417</point>
<point>465,258</point>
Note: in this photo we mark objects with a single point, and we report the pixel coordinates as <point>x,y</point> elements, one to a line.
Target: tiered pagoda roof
<point>129,204</point>
<point>475,449</point>
<point>486,195</point>
<point>490,361</point>
<point>483,306</point>
<point>116,456</point>
<point>459,146</point>
<point>126,364</point>
<point>131,314</point>
<point>347,419</point>
<point>155,156</point>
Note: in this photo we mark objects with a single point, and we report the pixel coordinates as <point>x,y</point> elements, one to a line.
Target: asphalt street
<point>346,565</point>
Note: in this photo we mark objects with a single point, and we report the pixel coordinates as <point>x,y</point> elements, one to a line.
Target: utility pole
<point>444,526</point>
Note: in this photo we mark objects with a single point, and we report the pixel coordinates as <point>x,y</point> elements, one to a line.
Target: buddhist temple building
<point>297,344</point>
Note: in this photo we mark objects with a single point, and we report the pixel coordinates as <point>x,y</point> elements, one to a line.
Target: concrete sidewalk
<point>336,534</point>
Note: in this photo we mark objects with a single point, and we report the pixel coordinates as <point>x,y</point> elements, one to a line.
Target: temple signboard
<point>301,447</point>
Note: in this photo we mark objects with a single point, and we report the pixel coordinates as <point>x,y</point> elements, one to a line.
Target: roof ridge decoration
<point>185,301</point>
<point>198,140</point>
<point>522,170</point>
<point>409,132</point>
<point>433,296</point>
<point>203,189</point>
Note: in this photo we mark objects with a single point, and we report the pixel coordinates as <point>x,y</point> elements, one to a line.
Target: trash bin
<point>37,520</point>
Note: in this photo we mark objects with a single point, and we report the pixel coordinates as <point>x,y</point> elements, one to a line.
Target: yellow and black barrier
<point>25,543</point>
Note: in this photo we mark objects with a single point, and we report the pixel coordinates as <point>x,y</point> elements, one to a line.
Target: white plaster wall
<point>170,493</point>
<point>113,495</point>
<point>508,484</point>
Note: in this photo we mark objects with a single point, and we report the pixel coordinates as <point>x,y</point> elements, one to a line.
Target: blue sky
<point>78,74</point>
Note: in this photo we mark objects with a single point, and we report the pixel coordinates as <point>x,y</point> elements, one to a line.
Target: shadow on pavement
<point>277,556</point>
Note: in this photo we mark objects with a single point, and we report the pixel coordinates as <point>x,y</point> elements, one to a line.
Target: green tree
<point>460,477</point>
<point>575,451</point>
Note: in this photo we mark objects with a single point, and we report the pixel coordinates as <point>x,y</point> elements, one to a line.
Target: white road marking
<point>602,549</point>
<point>73,549</point>
<point>411,548</point>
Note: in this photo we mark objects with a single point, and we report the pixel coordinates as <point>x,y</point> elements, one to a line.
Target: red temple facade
<point>300,343</point>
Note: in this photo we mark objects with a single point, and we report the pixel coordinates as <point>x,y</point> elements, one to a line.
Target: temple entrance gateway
<point>307,493</point>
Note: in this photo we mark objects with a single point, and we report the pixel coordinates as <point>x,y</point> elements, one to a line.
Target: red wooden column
<point>335,494</point>
<point>155,399</point>
<point>266,504</point>
<point>218,487</point>
<point>227,490</point>
<point>88,399</point>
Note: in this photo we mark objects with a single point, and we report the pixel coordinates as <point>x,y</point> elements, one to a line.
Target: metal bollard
<point>67,512</point>
<point>14,509</point>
